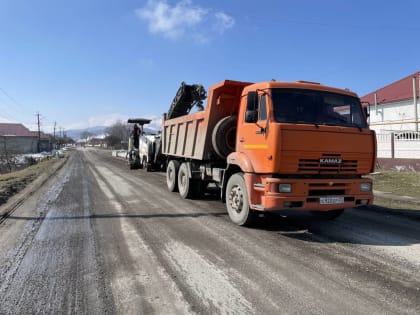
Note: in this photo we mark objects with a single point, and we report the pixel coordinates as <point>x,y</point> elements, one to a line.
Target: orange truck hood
<point>323,150</point>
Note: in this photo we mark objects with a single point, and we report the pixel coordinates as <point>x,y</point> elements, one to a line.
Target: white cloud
<point>184,19</point>
<point>223,22</point>
<point>106,120</point>
<point>171,21</point>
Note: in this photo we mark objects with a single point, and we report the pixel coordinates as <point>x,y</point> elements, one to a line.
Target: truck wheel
<point>185,183</point>
<point>134,163</point>
<point>223,137</point>
<point>172,175</point>
<point>149,167</point>
<point>144,163</point>
<point>138,162</point>
<point>237,202</point>
<point>330,215</point>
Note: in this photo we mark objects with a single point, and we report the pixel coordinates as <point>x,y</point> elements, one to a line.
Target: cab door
<point>253,132</point>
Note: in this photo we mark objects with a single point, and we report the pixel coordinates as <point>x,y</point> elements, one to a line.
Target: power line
<point>5,113</point>
<point>20,107</point>
<point>11,98</point>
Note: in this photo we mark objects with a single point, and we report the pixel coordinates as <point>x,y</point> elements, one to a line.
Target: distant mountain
<point>75,133</point>
<point>150,131</point>
<point>98,130</point>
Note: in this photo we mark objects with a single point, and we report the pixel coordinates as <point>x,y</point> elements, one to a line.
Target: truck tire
<point>188,188</point>
<point>133,162</point>
<point>237,202</point>
<point>172,175</point>
<point>144,163</point>
<point>185,185</point>
<point>224,135</point>
<point>138,162</point>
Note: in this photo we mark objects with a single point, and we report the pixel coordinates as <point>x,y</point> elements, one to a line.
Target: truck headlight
<point>366,187</point>
<point>285,188</point>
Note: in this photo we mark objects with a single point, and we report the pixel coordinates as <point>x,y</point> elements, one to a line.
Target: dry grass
<point>14,182</point>
<point>397,183</point>
<point>395,204</point>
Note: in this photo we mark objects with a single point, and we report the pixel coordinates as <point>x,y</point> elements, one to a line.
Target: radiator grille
<point>314,165</point>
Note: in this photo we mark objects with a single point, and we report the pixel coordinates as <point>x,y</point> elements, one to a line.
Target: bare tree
<point>8,153</point>
<point>118,134</point>
<point>86,134</point>
<point>64,140</point>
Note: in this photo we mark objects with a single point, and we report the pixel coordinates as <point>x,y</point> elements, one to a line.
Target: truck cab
<point>303,146</point>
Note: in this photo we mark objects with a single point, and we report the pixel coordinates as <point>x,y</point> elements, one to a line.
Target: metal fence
<point>399,145</point>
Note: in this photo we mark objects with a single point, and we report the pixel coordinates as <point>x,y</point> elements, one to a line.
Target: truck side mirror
<point>367,113</point>
<point>251,114</point>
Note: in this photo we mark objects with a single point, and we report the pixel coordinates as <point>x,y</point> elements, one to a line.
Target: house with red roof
<point>15,138</point>
<point>395,107</point>
<point>394,115</point>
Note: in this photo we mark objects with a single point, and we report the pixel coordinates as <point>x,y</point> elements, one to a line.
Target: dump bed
<point>189,136</point>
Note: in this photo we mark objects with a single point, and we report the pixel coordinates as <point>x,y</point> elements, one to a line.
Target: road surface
<point>98,238</point>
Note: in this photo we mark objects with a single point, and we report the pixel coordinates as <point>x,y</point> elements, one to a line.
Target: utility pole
<point>60,137</point>
<point>55,141</point>
<point>39,133</point>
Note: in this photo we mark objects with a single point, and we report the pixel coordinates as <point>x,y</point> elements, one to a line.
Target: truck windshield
<point>317,107</point>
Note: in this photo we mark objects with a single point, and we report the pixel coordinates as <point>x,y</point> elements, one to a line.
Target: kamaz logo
<point>330,161</point>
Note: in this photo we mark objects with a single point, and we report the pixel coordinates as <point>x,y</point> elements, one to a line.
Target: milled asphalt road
<point>99,238</point>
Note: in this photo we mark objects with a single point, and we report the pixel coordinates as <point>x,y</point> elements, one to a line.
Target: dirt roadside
<point>16,186</point>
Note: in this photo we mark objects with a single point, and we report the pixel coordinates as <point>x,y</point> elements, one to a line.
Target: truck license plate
<point>331,200</point>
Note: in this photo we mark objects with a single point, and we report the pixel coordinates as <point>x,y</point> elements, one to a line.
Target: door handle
<point>261,131</point>
<point>241,140</point>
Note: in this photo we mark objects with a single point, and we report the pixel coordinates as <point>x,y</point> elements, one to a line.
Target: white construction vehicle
<point>144,148</point>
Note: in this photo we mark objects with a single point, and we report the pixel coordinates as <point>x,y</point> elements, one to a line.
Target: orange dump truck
<point>273,146</point>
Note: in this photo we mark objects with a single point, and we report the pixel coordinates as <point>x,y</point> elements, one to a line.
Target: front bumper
<point>312,194</point>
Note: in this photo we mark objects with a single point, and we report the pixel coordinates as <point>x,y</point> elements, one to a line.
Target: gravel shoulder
<point>13,183</point>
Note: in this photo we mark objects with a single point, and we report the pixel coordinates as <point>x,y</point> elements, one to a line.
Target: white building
<point>395,107</point>
<point>394,115</point>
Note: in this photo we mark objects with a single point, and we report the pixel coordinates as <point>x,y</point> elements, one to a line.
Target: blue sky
<point>84,63</point>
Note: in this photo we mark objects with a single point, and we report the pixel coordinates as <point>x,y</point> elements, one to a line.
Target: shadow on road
<point>118,216</point>
<point>364,226</point>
